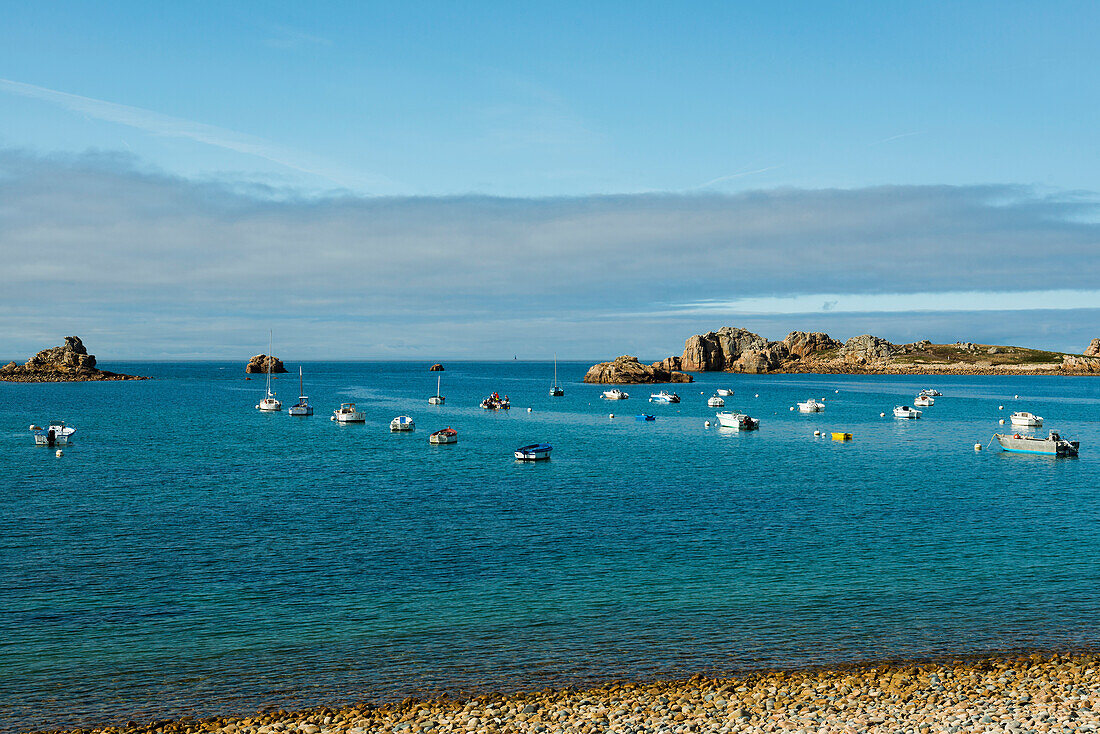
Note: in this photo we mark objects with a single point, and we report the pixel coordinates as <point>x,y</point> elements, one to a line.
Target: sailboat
<point>269,403</point>
<point>556,390</point>
<point>303,407</point>
<point>436,399</point>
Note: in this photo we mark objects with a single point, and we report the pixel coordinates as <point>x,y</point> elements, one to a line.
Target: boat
<point>556,390</point>
<point>931,393</point>
<point>737,421</point>
<point>302,407</point>
<point>402,423</point>
<point>1028,420</point>
<point>496,402</point>
<point>811,406</point>
<point>614,394</point>
<point>904,411</point>
<point>56,433</point>
<point>725,392</point>
<point>1052,445</point>
<point>716,402</point>
<point>646,417</point>
<point>534,452</point>
<point>437,399</point>
<point>664,397</point>
<point>924,401</point>
<point>447,435</point>
<point>347,413</point>
<point>269,403</point>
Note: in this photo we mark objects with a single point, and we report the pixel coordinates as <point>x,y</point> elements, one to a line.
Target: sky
<point>446,180</point>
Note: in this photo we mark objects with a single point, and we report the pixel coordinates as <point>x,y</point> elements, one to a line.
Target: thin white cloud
<point>895,137</point>
<point>175,127</point>
<point>732,176</point>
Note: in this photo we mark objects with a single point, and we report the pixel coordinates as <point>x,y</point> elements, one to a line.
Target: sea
<point>190,555</point>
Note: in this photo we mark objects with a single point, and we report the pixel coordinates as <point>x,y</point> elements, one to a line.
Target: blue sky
<point>920,155</point>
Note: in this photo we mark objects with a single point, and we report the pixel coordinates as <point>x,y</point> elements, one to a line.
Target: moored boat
<point>614,394</point>
<point>716,402</point>
<point>932,393</point>
<point>1027,420</point>
<point>269,403</point>
<point>810,406</point>
<point>924,401</point>
<point>302,407</point>
<point>446,435</point>
<point>437,399</point>
<point>904,411</point>
<point>534,452</point>
<point>1052,445</point>
<point>496,402</point>
<point>402,423</point>
<point>556,390</point>
<point>738,421</point>
<point>664,396</point>
<point>725,392</point>
<point>56,433</point>
<point>646,417</point>
<point>347,413</point>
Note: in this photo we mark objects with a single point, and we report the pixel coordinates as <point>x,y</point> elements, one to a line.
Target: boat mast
<point>299,380</point>
<point>268,362</point>
<point>555,369</point>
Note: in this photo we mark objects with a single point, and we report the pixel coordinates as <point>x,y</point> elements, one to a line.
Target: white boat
<point>437,399</point>
<point>269,403</point>
<point>811,406</point>
<point>302,407</point>
<point>447,435</point>
<point>614,394</point>
<point>402,423</point>
<point>534,452</point>
<point>904,411</point>
<point>924,401</point>
<point>496,402</point>
<point>664,397</point>
<point>725,392</point>
<point>1053,444</point>
<point>931,393</point>
<point>1028,420</point>
<point>54,434</point>
<point>716,402</point>
<point>737,421</point>
<point>347,413</point>
<point>556,390</point>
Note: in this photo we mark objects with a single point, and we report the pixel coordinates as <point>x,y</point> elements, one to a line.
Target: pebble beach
<point>1052,693</point>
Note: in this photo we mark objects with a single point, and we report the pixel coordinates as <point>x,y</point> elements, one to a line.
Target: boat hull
<point>442,437</point>
<point>436,400</point>
<point>1047,447</point>
<point>300,410</point>
<point>539,452</point>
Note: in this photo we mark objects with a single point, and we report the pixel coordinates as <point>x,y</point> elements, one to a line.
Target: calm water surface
<point>189,554</point>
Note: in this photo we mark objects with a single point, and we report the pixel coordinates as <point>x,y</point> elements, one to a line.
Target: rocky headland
<point>69,362</point>
<point>261,363</point>
<point>1014,695</point>
<point>627,370</point>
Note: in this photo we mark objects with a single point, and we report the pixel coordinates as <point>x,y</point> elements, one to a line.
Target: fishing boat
<point>269,403</point>
<point>716,402</point>
<point>56,433</point>
<point>402,423</point>
<point>931,393</point>
<point>904,411</point>
<point>1027,420</point>
<point>447,435</point>
<point>646,417</point>
<point>737,421</point>
<point>534,452</point>
<point>810,406</point>
<point>437,399</point>
<point>496,402</point>
<point>347,413</point>
<point>725,392</point>
<point>1052,445</point>
<point>924,401</point>
<point>556,390</point>
<point>664,397</point>
<point>614,394</point>
<point>302,407</point>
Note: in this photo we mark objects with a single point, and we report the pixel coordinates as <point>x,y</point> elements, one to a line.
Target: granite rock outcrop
<point>437,367</point>
<point>1093,349</point>
<point>69,362</point>
<point>262,362</point>
<point>627,370</point>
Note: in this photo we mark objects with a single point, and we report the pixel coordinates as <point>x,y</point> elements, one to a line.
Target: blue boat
<point>534,452</point>
<point>646,417</point>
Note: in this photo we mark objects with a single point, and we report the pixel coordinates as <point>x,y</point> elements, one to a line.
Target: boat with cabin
<point>904,411</point>
<point>810,406</point>
<point>932,393</point>
<point>614,394</point>
<point>402,423</point>
<point>924,401</point>
<point>1052,445</point>
<point>348,413</point>
<point>1026,420</point>
<point>446,435</point>
<point>534,452</point>
<point>302,407</point>
<point>664,396</point>
<point>737,421</point>
<point>716,402</point>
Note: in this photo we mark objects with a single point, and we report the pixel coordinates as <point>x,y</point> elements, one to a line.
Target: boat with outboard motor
<point>904,411</point>
<point>1052,445</point>
<point>496,402</point>
<point>737,421</point>
<point>402,423</point>
<point>716,402</point>
<point>1026,420</point>
<point>810,406</point>
<point>56,433</point>
<point>645,417</point>
<point>664,396</point>
<point>614,394</point>
<point>534,452</point>
<point>725,392</point>
<point>932,393</point>
<point>924,401</point>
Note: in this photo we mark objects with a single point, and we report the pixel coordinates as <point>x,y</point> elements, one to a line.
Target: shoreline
<point>1002,692</point>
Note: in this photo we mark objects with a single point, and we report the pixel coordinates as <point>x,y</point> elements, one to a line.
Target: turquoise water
<point>189,554</point>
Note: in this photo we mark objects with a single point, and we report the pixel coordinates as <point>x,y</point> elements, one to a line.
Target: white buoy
<point>817,433</point>
<point>700,392</point>
<point>611,416</point>
<point>792,407</point>
<point>1016,397</point>
<point>706,424</point>
<point>1001,421</point>
<point>881,415</point>
<point>1000,407</point>
<point>756,395</point>
<point>836,391</point>
<point>59,453</point>
<point>35,428</point>
<point>977,447</point>
<point>528,410</point>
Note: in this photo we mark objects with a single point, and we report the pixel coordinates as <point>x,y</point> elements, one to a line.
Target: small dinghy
<point>402,423</point>
<point>447,435</point>
<point>534,452</point>
<point>54,434</point>
<point>737,421</point>
<point>664,397</point>
<point>716,402</point>
<point>614,394</point>
<point>725,392</point>
<point>904,411</point>
<point>1027,420</point>
<point>646,417</point>
<point>924,401</point>
<point>810,406</point>
<point>1052,445</point>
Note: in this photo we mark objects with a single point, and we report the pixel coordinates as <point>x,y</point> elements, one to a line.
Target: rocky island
<point>261,363</point>
<point>69,362</point>
<point>627,370</point>
<point>731,349</point>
